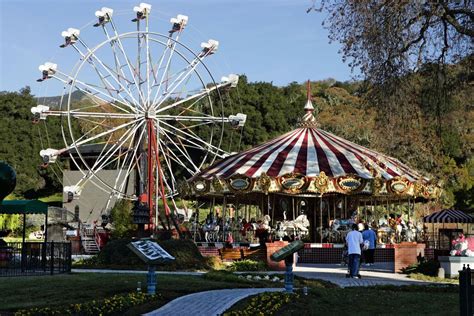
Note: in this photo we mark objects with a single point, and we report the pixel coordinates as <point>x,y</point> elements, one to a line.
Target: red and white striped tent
<point>300,160</point>
<point>309,151</point>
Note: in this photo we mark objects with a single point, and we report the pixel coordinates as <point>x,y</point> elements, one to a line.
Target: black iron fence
<point>35,258</point>
<point>466,291</point>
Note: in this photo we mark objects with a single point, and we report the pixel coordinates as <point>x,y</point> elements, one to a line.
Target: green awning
<point>23,207</point>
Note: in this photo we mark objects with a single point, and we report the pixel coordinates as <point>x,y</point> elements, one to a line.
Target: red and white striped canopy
<point>309,150</point>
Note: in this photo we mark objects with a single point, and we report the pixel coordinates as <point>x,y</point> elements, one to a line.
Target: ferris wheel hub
<point>150,113</point>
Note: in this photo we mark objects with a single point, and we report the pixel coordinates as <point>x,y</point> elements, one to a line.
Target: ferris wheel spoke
<point>147,100</point>
<point>159,63</point>
<point>185,155</point>
<point>176,159</point>
<point>168,164</point>
<point>196,97</point>
<point>118,66</point>
<point>102,134</point>
<point>107,157</point>
<point>133,164</point>
<point>194,140</point>
<point>133,72</point>
<point>183,75</point>
<point>87,90</point>
<point>91,59</point>
<point>77,114</point>
<point>165,72</point>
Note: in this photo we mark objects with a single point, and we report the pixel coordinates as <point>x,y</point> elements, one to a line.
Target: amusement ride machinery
<point>149,103</point>
<point>311,172</point>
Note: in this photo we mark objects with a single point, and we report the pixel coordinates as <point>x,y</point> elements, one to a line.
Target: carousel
<point>312,185</point>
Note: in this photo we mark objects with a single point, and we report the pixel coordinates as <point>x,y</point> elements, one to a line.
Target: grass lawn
<point>380,300</point>
<point>62,290</point>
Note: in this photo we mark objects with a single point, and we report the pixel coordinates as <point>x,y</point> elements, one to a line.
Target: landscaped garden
<point>116,294</point>
<point>379,300</point>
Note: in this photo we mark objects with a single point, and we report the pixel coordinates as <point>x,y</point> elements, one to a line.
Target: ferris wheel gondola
<point>148,100</point>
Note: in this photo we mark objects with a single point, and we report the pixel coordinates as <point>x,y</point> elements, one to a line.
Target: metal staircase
<point>88,239</point>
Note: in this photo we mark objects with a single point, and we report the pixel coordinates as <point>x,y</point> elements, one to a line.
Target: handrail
<point>97,238</point>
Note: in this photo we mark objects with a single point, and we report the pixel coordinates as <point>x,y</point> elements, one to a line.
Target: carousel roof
<point>309,152</point>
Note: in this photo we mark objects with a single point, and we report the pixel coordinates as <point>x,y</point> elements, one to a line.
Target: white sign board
<point>149,251</point>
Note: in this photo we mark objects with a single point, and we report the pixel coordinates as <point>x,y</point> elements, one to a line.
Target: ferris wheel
<point>149,106</point>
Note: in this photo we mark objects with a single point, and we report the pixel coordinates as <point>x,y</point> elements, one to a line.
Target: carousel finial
<point>308,119</point>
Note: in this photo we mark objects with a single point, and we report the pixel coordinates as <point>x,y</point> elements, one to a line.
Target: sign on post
<point>151,253</point>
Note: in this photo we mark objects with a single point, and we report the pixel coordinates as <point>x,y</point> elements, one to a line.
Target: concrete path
<point>209,303</point>
<point>374,275</point>
<point>135,272</point>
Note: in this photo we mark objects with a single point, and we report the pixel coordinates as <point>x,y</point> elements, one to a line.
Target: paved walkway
<point>209,303</point>
<point>135,272</point>
<point>374,275</point>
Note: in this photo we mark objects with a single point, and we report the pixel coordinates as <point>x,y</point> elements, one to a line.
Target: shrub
<point>224,276</point>
<point>247,265</point>
<point>429,267</point>
<point>108,306</point>
<point>265,304</point>
<point>116,254</point>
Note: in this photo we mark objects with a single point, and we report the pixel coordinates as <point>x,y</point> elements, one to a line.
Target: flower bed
<point>265,304</point>
<point>109,306</point>
<point>259,277</point>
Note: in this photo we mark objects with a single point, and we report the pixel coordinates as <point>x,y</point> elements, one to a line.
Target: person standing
<point>354,241</point>
<point>368,235</point>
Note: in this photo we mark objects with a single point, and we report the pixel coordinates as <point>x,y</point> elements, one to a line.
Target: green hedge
<point>116,255</point>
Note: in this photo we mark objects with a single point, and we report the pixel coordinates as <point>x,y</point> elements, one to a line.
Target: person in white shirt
<point>354,241</point>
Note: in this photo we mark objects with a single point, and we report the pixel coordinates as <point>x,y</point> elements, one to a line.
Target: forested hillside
<point>425,124</point>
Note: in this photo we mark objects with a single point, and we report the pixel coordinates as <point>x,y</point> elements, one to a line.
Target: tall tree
<point>389,38</point>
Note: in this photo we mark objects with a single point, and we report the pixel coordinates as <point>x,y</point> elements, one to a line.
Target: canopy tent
<point>309,171</point>
<point>311,160</point>
<point>24,207</point>
<point>448,216</point>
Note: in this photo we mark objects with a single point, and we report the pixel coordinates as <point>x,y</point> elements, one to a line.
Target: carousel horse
<point>298,227</point>
<point>420,232</point>
<point>279,231</point>
<point>184,215</point>
<point>324,232</point>
<point>385,235</point>
<point>211,230</point>
<point>410,232</point>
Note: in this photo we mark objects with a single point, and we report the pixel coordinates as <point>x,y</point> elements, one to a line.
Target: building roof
<point>23,207</point>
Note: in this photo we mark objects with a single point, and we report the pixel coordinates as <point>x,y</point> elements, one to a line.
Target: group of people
<point>360,241</point>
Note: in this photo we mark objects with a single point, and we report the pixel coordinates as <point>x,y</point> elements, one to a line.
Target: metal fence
<point>440,241</point>
<point>466,283</point>
<point>35,258</point>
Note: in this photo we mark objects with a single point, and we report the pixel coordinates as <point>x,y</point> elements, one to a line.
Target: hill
<point>428,126</point>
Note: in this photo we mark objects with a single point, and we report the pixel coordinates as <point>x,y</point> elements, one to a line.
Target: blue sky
<point>268,40</point>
